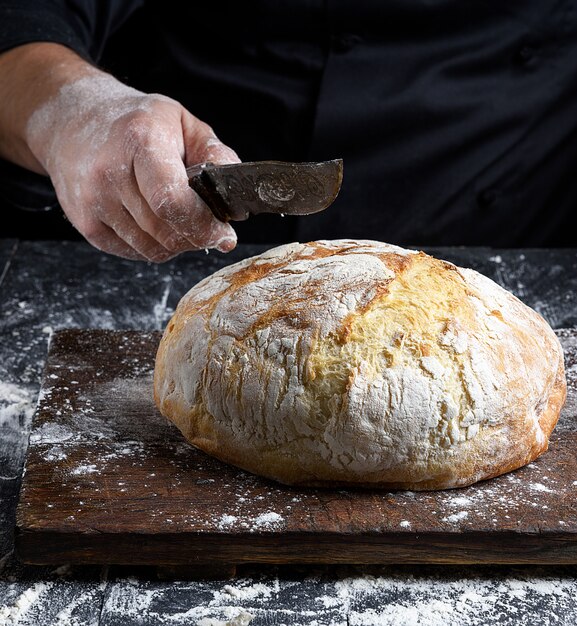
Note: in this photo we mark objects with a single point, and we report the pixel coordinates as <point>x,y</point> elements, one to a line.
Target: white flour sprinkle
<point>15,613</point>
<point>14,402</point>
<point>242,619</point>
<point>456,517</point>
<point>540,487</point>
<point>460,501</point>
<point>269,520</point>
<point>377,597</point>
<point>226,520</point>
<point>161,314</point>
<point>56,453</point>
<point>474,600</point>
<point>248,592</point>
<point>51,432</point>
<point>84,469</point>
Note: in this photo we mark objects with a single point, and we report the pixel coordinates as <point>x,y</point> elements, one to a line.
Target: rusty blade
<point>235,191</point>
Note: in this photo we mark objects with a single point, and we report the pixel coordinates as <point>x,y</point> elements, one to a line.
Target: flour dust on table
<point>64,284</point>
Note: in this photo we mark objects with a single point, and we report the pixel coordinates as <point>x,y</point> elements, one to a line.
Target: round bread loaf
<point>355,362</point>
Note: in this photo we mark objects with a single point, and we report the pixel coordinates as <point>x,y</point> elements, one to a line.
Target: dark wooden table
<point>49,286</point>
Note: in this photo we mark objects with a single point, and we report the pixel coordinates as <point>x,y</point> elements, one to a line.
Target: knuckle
<point>161,100</point>
<point>141,125</point>
<point>105,175</point>
<point>136,140</point>
<point>93,231</point>
<point>138,131</point>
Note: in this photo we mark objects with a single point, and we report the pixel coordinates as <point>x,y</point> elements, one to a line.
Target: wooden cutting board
<point>109,480</point>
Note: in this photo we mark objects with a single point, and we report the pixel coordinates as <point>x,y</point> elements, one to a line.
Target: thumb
<point>201,143</point>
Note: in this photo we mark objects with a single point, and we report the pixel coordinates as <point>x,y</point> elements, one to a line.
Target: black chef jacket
<point>457,121</point>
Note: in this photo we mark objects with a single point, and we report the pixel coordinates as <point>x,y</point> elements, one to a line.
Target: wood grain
<point>109,480</point>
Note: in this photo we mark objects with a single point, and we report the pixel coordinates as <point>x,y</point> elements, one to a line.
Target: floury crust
<point>354,362</point>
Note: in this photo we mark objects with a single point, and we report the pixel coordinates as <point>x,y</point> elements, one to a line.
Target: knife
<point>237,190</point>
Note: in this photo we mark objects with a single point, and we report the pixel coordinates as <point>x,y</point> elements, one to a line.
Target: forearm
<point>116,156</point>
<point>30,75</point>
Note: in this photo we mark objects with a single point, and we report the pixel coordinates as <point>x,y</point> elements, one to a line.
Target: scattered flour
<point>460,501</point>
<point>247,592</point>
<point>456,517</point>
<point>226,520</point>
<point>378,596</point>
<point>265,521</point>
<point>130,600</point>
<point>540,487</point>
<point>84,469</point>
<point>18,610</point>
<point>268,521</point>
<point>160,309</point>
<point>465,598</point>
<point>409,598</point>
<point>14,402</point>
<point>51,432</point>
<point>242,619</point>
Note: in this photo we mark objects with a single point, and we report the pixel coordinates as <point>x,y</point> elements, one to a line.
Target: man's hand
<point>117,159</point>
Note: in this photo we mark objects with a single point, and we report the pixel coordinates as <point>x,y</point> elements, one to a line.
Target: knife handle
<point>206,187</point>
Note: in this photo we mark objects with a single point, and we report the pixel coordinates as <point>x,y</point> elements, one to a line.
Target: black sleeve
<point>82,25</point>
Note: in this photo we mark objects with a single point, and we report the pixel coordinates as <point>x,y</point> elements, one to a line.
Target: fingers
<point>106,217</point>
<point>105,238</point>
<point>114,230</point>
<point>126,228</point>
<point>109,225</point>
<point>145,218</point>
<point>129,193</point>
<point>162,181</point>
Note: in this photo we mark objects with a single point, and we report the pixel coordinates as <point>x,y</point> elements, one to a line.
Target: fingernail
<point>226,245</point>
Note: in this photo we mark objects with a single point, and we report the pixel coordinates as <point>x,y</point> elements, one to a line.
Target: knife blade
<point>235,191</point>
